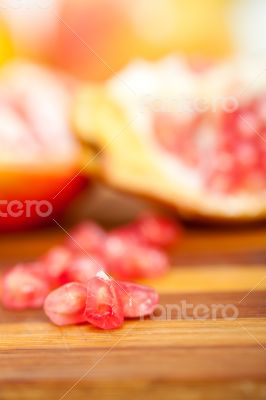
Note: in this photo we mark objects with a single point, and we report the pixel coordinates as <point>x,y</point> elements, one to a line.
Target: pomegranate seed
<point>83,268</point>
<point>24,286</point>
<point>104,307</point>
<point>153,230</point>
<point>138,300</point>
<point>66,305</point>
<point>158,231</point>
<point>134,261</point>
<point>56,262</point>
<point>87,236</point>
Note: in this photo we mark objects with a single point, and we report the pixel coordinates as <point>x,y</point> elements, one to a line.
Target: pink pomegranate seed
<point>158,231</point>
<point>134,261</point>
<point>56,262</point>
<point>104,307</point>
<point>66,305</point>
<point>138,300</point>
<point>24,286</point>
<point>83,268</point>
<point>88,237</point>
<point>127,233</point>
<point>153,230</point>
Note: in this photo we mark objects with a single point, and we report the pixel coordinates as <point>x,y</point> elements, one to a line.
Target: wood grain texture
<point>166,356</point>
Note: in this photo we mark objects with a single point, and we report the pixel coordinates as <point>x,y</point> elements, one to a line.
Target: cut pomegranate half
<point>66,305</point>
<point>195,138</point>
<point>39,156</point>
<point>104,308</point>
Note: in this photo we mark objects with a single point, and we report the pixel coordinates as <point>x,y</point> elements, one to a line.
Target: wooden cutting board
<point>166,357</point>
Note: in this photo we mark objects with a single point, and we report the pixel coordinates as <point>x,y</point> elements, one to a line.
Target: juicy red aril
<point>127,233</point>
<point>88,237</point>
<point>138,300</point>
<point>177,135</point>
<point>56,262</point>
<point>24,286</point>
<point>134,261</point>
<point>83,268</point>
<point>153,230</point>
<point>156,230</point>
<point>104,307</point>
<point>243,146</point>
<point>66,305</point>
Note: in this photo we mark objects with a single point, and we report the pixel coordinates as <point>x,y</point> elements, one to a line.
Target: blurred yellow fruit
<point>95,38</point>
<point>187,26</point>
<point>5,43</point>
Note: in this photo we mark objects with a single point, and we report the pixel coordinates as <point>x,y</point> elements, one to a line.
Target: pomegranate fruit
<point>104,308</point>
<point>66,305</point>
<point>196,137</point>
<point>138,300</point>
<point>24,286</point>
<point>39,158</point>
<point>75,288</point>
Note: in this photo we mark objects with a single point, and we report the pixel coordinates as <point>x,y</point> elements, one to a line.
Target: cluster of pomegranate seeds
<point>227,149</point>
<point>87,237</point>
<point>102,302</point>
<point>134,261</point>
<point>73,280</point>
<point>83,268</point>
<point>137,250</point>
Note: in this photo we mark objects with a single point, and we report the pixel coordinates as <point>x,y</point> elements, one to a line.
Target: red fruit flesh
<point>133,261</point>
<point>56,262</point>
<point>158,231</point>
<point>24,286</point>
<point>227,149</point>
<point>66,305</point>
<point>104,307</point>
<point>88,237</point>
<point>83,268</point>
<point>138,300</point>
<point>152,230</point>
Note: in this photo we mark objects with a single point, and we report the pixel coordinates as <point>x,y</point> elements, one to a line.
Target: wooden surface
<point>160,358</point>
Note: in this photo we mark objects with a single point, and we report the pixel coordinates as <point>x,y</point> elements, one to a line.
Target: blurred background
<point>90,40</point>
